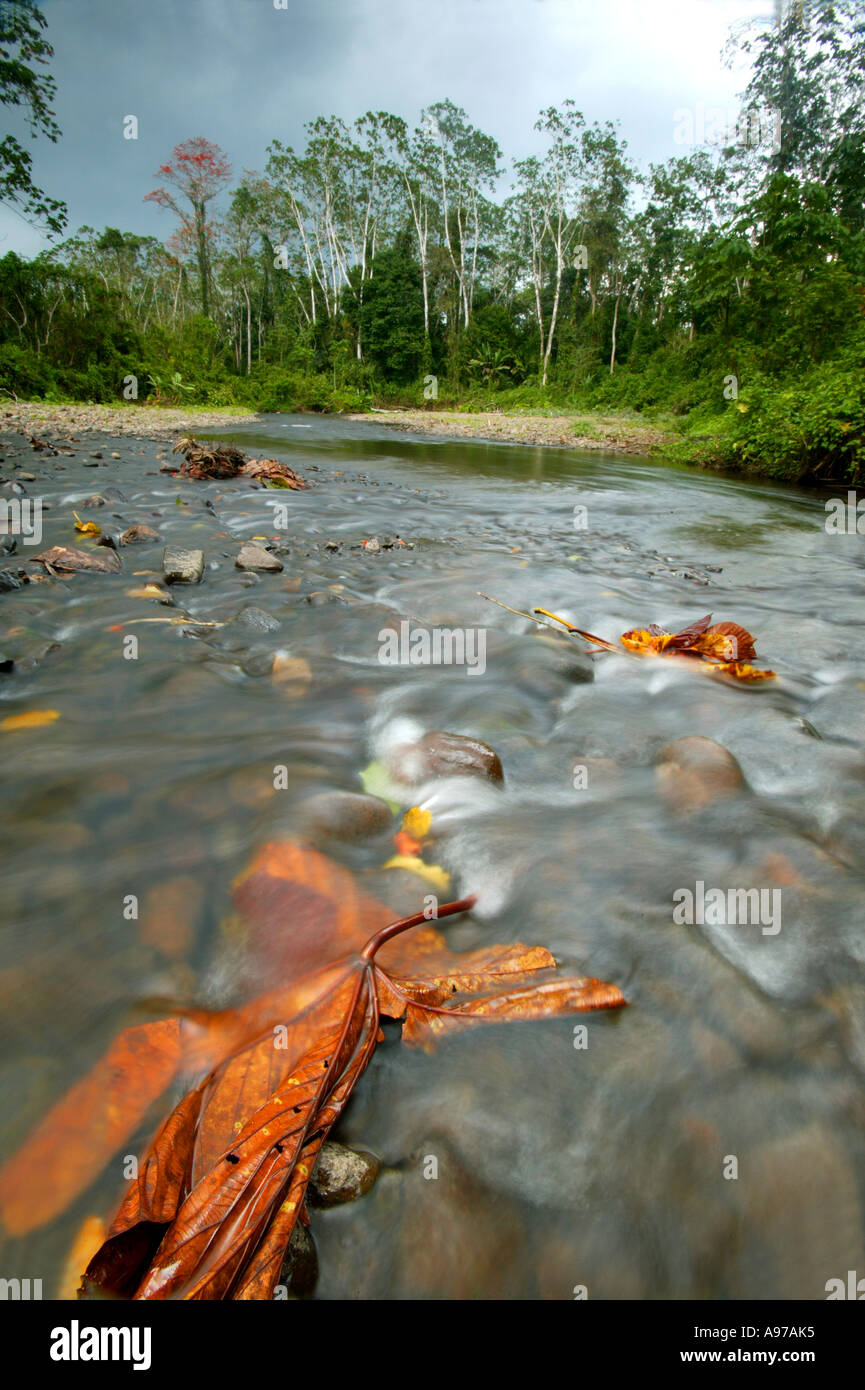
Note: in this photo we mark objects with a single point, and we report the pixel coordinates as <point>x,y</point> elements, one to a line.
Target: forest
<point>721,293</point>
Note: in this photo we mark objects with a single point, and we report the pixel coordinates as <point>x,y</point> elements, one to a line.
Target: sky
<point>245,72</point>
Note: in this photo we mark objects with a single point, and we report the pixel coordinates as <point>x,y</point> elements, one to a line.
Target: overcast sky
<point>243,72</point>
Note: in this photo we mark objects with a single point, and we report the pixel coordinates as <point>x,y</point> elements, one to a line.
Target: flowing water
<point>706,1142</point>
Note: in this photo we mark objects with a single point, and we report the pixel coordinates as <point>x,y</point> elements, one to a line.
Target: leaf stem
<point>406,923</point>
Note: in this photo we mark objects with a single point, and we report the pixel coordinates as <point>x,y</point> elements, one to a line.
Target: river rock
<point>346,815</point>
<point>800,1192</point>
<point>255,557</point>
<point>440,754</point>
<point>139,535</point>
<point>256,619</point>
<point>694,772</point>
<point>8,581</point>
<point>299,1273</point>
<point>182,566</point>
<point>341,1175</point>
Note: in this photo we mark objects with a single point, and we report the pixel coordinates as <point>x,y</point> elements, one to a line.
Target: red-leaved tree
<point>198,170</point>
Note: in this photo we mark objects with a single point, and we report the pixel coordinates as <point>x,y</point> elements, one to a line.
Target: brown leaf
<point>740,643</point>
<point>70,1146</point>
<point>270,470</point>
<point>224,1183</point>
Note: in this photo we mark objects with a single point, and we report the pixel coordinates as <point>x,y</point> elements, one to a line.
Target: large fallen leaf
<point>223,1183</point>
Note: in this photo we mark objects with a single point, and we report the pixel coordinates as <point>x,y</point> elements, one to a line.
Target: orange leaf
<point>32,719</point>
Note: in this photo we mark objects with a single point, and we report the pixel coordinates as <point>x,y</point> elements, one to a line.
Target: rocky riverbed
<point>254,707</point>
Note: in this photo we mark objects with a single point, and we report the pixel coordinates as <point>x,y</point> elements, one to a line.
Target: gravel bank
<point>607,433</point>
<point>139,421</point>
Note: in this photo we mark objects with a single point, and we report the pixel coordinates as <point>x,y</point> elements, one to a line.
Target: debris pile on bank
<point>226,461</point>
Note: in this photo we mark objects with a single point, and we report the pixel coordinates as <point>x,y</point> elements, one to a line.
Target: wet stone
<point>346,815</point>
<point>256,619</point>
<point>299,1273</point>
<point>695,772</point>
<point>255,557</point>
<point>441,754</point>
<point>182,566</point>
<point>341,1175</point>
<point>139,535</point>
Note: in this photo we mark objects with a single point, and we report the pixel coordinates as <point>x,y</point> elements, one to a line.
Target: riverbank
<point>608,433</point>
<point>136,421</point>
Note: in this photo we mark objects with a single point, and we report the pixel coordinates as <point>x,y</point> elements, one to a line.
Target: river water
<point>706,1142</point>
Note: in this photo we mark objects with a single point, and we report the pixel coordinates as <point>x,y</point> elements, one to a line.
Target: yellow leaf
<point>87,528</point>
<point>90,1236</point>
<point>417,822</point>
<point>146,591</point>
<point>32,719</point>
<point>432,874</point>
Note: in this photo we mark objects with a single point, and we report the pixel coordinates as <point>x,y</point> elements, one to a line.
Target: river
<point>707,1142</point>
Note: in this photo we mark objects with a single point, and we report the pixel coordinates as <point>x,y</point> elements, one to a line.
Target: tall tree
<point>468,164</point>
<point>21,45</point>
<point>198,170</point>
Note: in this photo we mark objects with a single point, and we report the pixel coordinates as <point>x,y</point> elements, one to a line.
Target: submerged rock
<point>440,754</point>
<point>139,535</point>
<point>346,815</point>
<point>256,619</point>
<point>694,772</point>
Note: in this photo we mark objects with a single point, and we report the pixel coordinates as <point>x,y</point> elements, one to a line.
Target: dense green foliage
<point>21,45</point>
<point>722,292</point>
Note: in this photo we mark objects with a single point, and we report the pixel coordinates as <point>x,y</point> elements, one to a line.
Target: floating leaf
<point>431,873</point>
<point>416,822</point>
<point>87,528</point>
<point>376,782</point>
<point>33,719</point>
<point>146,591</point>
